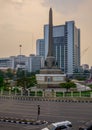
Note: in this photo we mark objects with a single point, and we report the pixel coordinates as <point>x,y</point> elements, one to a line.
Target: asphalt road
<point>51,111</point>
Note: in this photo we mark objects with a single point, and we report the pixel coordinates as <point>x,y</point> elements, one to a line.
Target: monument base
<point>50,80</point>
<point>50,71</point>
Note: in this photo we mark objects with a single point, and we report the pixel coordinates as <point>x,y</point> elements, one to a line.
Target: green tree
<point>33,81</point>
<point>27,82</point>
<point>2,74</point>
<point>20,73</point>
<point>68,85</point>
<point>1,82</point>
<point>90,86</point>
<point>9,73</point>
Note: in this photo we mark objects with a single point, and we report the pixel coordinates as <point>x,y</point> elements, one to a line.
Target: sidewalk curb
<point>22,121</point>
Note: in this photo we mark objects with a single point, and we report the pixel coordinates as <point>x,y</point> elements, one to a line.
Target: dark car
<point>86,126</point>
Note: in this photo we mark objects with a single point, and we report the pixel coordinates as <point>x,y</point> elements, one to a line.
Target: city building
<point>34,63</point>
<point>66,46</point>
<point>6,63</point>
<point>40,47</point>
<point>13,62</point>
<point>72,48</point>
<point>58,43</point>
<point>20,62</point>
<point>31,63</point>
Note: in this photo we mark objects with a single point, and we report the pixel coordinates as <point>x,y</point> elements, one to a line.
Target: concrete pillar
<point>80,94</point>
<point>63,94</point>
<point>71,94</point>
<point>91,94</point>
<point>54,94</point>
<point>35,93</point>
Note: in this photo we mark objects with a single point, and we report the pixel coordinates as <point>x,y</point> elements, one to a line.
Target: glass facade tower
<point>66,46</point>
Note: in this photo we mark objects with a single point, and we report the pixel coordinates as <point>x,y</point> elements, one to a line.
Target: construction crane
<point>84,52</point>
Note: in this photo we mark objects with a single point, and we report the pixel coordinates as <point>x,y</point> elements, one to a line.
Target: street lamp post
<point>20,55</point>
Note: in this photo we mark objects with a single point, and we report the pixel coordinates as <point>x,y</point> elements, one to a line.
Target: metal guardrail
<point>51,94</point>
<point>54,99</point>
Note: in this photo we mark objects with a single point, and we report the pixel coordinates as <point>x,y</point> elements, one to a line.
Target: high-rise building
<point>72,47</point>
<point>58,43</point>
<point>66,46</point>
<point>34,63</point>
<point>40,47</point>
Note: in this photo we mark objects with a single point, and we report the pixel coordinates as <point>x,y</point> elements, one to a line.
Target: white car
<point>64,125</point>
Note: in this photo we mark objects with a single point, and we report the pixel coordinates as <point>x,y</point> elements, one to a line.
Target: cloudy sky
<point>22,21</point>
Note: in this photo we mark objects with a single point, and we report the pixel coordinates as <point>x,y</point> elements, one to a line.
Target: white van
<point>64,125</point>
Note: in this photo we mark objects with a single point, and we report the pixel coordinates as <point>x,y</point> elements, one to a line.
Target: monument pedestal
<point>50,80</point>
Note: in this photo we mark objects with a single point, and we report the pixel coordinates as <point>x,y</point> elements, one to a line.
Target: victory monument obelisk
<point>50,76</point>
<point>50,60</point>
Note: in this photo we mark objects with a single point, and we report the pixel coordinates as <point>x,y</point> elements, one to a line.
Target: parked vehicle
<point>64,125</point>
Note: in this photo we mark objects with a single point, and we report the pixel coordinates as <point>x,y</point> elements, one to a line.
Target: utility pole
<point>20,55</point>
<point>20,46</point>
